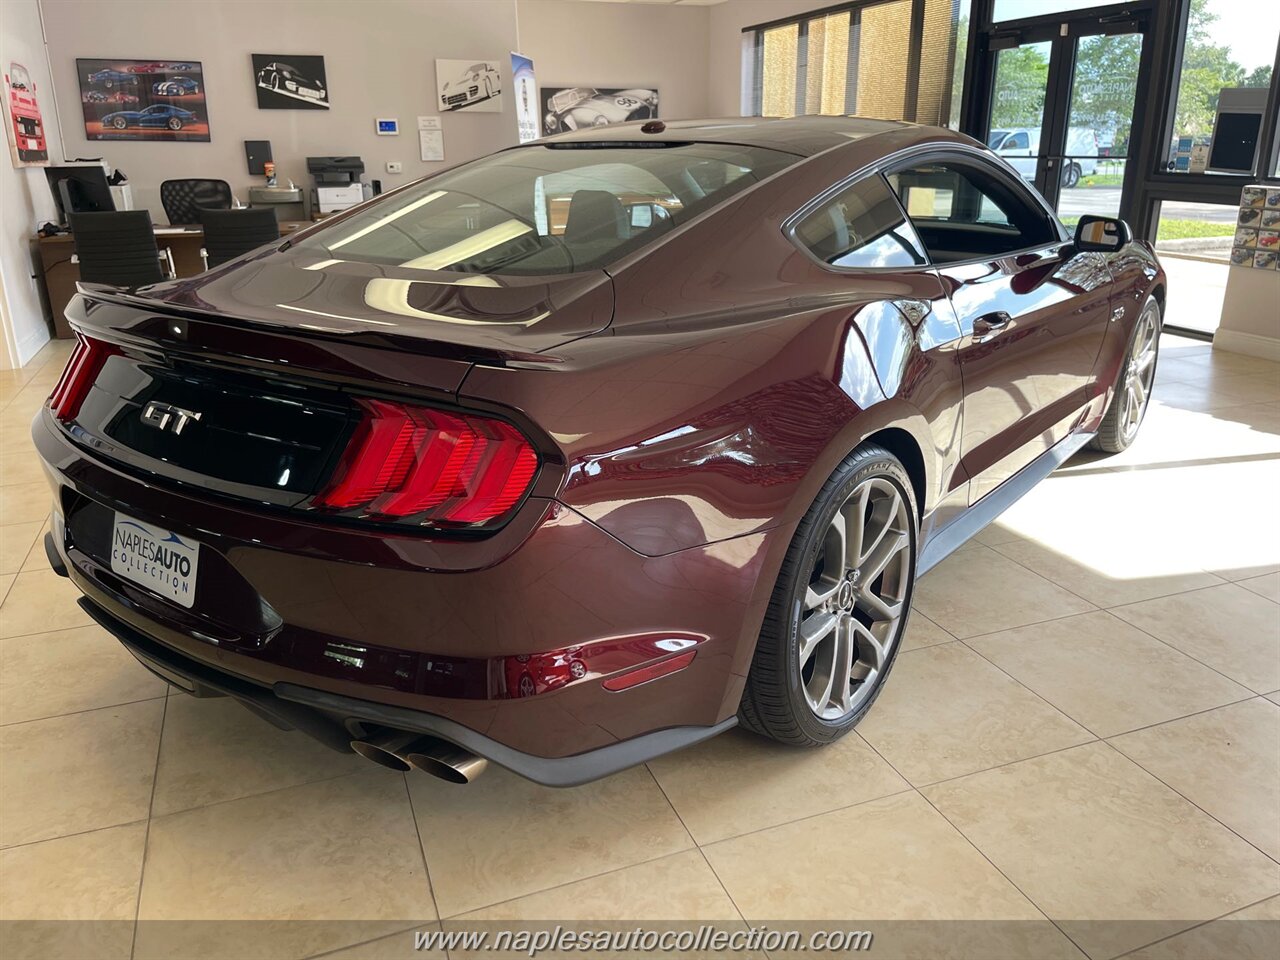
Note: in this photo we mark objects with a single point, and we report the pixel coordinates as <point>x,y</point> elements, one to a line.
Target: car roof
<point>800,135</point>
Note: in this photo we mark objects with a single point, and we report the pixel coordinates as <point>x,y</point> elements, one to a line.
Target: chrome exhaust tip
<point>446,761</point>
<point>390,749</point>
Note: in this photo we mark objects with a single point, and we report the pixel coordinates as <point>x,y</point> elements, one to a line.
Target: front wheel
<point>120,123</point>
<point>1132,393</point>
<point>1071,175</point>
<point>837,613</point>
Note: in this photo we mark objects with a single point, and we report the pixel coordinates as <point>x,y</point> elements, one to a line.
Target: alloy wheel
<point>1139,372</point>
<point>855,602</point>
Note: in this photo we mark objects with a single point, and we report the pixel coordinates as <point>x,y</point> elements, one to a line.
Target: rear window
<point>547,210</point>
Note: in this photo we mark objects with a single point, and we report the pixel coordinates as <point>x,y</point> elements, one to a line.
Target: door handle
<point>990,324</point>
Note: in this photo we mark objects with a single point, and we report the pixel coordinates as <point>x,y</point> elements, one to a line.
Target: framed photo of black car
<point>143,100</point>
<point>573,108</point>
<point>290,82</point>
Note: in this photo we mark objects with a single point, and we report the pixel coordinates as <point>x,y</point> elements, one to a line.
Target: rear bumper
<point>501,646</point>
<point>335,720</point>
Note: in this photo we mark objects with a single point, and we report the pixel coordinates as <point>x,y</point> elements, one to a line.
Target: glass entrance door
<point>1062,107</point>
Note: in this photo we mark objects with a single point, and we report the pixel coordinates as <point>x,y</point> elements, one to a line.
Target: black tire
<point>1112,437</point>
<point>175,123</point>
<point>773,703</point>
<point>1071,176</point>
<point>120,123</point>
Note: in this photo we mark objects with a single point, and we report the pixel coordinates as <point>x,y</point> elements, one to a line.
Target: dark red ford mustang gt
<point>590,449</point>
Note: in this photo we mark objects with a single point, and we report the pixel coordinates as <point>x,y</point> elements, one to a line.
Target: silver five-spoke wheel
<point>855,600</point>
<point>1140,371</point>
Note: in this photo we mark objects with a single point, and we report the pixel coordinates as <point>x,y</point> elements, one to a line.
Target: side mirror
<point>1101,234</point>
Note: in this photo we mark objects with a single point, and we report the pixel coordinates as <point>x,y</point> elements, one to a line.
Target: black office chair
<point>184,199</point>
<point>118,248</point>
<point>229,233</point>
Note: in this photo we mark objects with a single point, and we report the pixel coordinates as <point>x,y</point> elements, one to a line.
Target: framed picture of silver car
<point>572,108</point>
<point>143,100</point>
<point>468,86</point>
<point>287,81</point>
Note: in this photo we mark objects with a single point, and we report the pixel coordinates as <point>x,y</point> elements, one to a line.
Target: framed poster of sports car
<point>143,100</point>
<point>572,108</point>
<point>467,86</point>
<point>288,81</point>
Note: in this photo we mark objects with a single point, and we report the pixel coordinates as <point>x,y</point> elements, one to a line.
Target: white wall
<point>24,198</point>
<point>380,62</point>
<point>621,45</point>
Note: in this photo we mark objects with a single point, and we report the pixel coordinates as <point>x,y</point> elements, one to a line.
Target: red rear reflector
<point>87,360</point>
<point>442,467</point>
<point>652,671</point>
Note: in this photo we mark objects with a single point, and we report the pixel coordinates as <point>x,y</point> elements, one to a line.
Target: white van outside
<point>1021,147</point>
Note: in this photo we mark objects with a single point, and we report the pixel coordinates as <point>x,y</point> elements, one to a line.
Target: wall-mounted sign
<point>290,82</point>
<point>143,100</point>
<point>526,94</point>
<point>24,126</point>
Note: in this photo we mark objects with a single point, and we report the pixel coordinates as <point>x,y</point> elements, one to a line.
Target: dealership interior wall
<point>1080,744</point>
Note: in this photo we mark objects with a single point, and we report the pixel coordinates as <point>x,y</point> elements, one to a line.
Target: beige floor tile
<point>739,782</point>
<point>37,561</point>
<point>397,946</point>
<point>1274,697</point>
<point>946,712</point>
<point>1227,627</point>
<point>6,584</point>
<point>923,632</point>
<point>214,750</point>
<point>22,469</point>
<point>15,543</point>
<point>678,887</point>
<point>976,591</point>
<point>1225,761</point>
<point>1249,934</point>
<point>995,533</point>
<point>80,772</point>
<point>25,502</point>
<point>85,668</point>
<point>40,602</point>
<point>910,865</point>
<point>1226,390</point>
<point>304,870</point>
<point>1105,849</point>
<point>615,822</point>
<point>49,892</point>
<point>1267,586</point>
<point>1104,588</point>
<point>1105,674</point>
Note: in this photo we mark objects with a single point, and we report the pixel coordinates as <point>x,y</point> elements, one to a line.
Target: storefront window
<point>1194,243</point>
<point>1227,62</point>
<point>857,60</point>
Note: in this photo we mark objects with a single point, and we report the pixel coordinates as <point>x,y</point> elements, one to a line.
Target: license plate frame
<point>155,559</point>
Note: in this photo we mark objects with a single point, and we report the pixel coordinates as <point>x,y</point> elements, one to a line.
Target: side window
<point>963,211</point>
<point>1017,141</point>
<point>861,226</point>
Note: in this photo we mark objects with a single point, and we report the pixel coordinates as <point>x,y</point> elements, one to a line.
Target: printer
<point>337,182</point>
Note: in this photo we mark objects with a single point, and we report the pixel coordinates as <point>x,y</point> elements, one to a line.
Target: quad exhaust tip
<point>413,751</point>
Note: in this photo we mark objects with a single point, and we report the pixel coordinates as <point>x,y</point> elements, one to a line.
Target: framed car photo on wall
<point>290,82</point>
<point>468,86</point>
<point>143,100</point>
<point>572,108</point>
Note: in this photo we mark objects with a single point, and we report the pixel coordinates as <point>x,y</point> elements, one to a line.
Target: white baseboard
<point>1250,344</point>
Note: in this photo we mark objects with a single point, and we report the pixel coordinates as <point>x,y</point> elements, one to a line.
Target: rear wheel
<point>1128,406</point>
<point>1071,175</point>
<point>119,123</point>
<point>836,617</point>
<point>175,123</point>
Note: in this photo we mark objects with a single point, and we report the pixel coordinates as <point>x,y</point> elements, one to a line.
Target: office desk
<point>60,275</point>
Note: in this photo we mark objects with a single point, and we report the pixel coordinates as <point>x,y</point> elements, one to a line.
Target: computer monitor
<point>79,189</point>
<point>1234,147</point>
<point>332,171</point>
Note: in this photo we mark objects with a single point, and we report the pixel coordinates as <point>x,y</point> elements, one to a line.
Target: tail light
<point>87,360</point>
<point>409,463</point>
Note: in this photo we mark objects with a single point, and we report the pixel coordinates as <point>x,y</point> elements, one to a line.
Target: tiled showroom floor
<point>1084,725</point>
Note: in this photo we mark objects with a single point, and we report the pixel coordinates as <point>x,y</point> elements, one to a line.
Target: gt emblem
<point>164,416</point>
